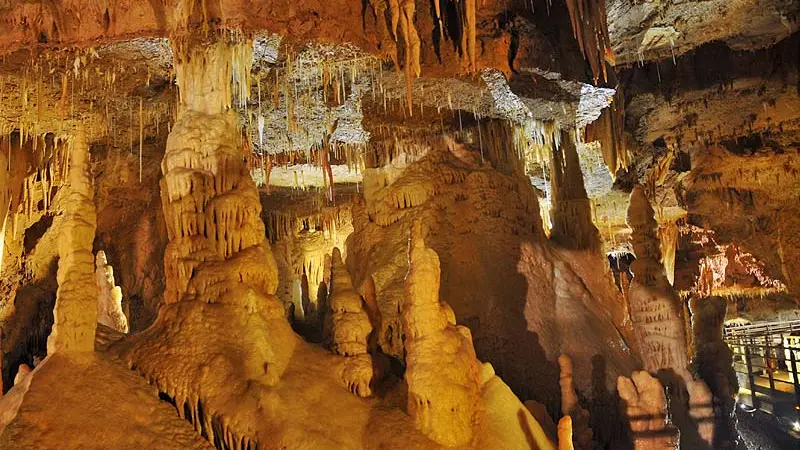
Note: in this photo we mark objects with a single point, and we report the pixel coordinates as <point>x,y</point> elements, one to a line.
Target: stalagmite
<point>442,371</point>
<point>571,208</point>
<point>222,320</point>
<point>565,434</point>
<point>75,313</point>
<point>712,362</point>
<point>351,328</point>
<point>645,406</point>
<point>580,433</point>
<point>656,311</point>
<point>109,296</point>
<point>351,324</point>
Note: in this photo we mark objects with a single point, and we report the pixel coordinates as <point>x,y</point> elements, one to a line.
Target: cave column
<point>75,313</point>
<point>210,201</point>
<point>656,310</point>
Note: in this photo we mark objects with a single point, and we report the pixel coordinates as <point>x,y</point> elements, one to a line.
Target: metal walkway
<point>766,358</point>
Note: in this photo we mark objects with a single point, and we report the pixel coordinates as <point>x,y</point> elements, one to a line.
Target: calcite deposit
<point>397,224</point>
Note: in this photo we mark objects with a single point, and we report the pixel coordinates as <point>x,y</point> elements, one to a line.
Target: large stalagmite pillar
<point>222,322</point>
<point>210,201</point>
<point>571,208</point>
<point>656,311</point>
<point>75,313</point>
<point>442,371</point>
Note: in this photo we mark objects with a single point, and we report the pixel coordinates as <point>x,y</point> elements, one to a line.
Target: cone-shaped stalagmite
<point>442,370</point>
<point>109,297</point>
<point>75,313</point>
<point>351,328</point>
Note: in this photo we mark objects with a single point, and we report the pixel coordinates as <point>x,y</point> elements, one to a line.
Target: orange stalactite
<point>588,19</point>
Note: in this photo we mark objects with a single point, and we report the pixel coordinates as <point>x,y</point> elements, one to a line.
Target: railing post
<point>794,374</point>
<point>754,396</point>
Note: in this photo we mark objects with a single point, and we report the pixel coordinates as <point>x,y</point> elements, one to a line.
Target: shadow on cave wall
<point>25,334</point>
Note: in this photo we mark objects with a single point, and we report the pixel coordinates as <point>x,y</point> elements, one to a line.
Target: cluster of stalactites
<point>400,24</point>
<point>608,130</point>
<point>213,91</point>
<point>442,371</point>
<point>588,18</point>
<point>75,312</point>
<point>571,208</point>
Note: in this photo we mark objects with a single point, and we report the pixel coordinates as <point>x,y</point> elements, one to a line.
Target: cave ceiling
<point>690,75</point>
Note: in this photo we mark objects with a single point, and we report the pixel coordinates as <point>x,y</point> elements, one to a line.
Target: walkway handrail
<point>763,329</point>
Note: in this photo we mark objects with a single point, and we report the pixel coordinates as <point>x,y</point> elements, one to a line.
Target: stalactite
<point>412,49</point>
<point>570,205</point>
<point>608,130</point>
<point>588,18</point>
<point>470,7</point>
<point>668,236</point>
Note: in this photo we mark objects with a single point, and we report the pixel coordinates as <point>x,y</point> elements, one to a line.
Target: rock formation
<point>571,210</point>
<point>442,371</point>
<point>351,328</point>
<point>76,301</point>
<point>220,273</point>
<point>712,362</point>
<point>656,311</point>
<point>387,224</point>
<point>645,406</point>
<point>109,296</point>
<point>580,433</point>
<point>351,324</point>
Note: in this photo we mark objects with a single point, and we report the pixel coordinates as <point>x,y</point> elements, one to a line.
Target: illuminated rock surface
<point>391,225</point>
